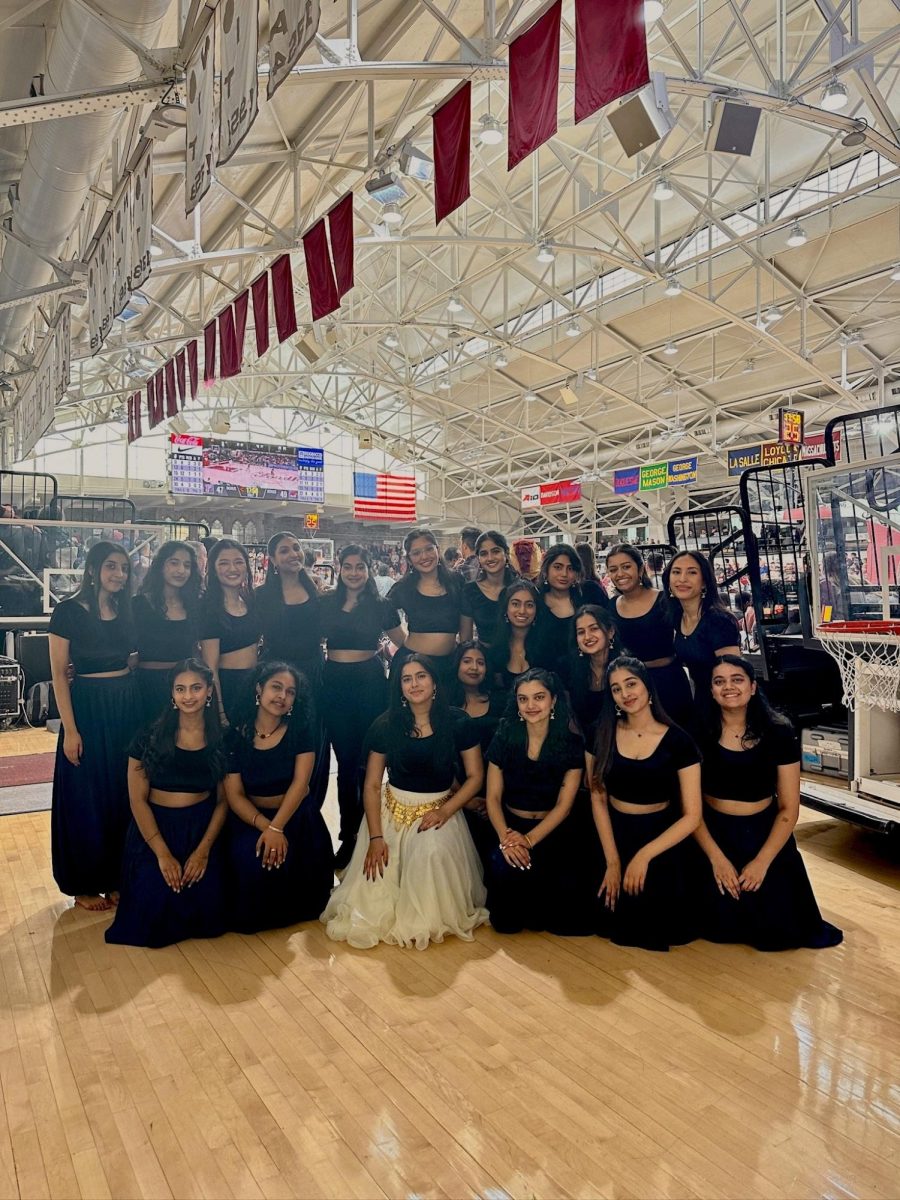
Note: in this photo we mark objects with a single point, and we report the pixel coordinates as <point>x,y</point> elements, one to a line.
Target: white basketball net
<point>869,663</point>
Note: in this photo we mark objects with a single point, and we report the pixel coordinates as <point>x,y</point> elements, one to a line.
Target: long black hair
<point>499,650</point>
<point>449,580</point>
<point>88,592</point>
<point>510,574</point>
<point>159,748</point>
<point>580,666</point>
<point>605,742</point>
<point>635,555</point>
<point>270,590</point>
<point>457,691</point>
<point>563,550</point>
<point>301,716</point>
<point>214,596</point>
<point>154,583</point>
<point>762,718</point>
<point>402,721</point>
<point>709,599</point>
<point>370,592</point>
<point>585,552</point>
<point>559,733</point>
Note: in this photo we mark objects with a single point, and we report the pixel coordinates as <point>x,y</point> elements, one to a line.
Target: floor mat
<point>20,769</point>
<point>34,797</point>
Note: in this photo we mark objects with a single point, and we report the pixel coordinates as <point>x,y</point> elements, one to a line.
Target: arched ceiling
<point>473,396</point>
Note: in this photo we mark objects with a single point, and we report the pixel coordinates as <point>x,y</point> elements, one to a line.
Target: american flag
<point>384,497</point>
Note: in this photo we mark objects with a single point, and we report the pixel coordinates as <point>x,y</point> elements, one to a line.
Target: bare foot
<point>93,903</point>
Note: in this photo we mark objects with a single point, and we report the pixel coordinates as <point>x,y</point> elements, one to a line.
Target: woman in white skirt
<point>415,876</point>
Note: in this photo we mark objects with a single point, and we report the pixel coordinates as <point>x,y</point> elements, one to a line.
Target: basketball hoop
<point>868,656</point>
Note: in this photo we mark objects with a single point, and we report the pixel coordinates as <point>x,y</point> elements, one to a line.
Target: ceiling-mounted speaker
<point>733,129</point>
<point>643,118</point>
<point>364,440</point>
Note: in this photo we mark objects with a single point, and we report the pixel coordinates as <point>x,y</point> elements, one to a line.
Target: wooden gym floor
<point>286,1065</point>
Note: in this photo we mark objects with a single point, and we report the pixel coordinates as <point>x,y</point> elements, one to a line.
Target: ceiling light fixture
<point>392,341</point>
<point>546,253</point>
<point>749,367</point>
<point>797,236</point>
<point>670,348</point>
<point>391,214</point>
<point>653,10</point>
<point>529,397</point>
<point>156,251</point>
<point>573,329</point>
<point>491,131</point>
<point>673,286</point>
<point>772,314</point>
<point>857,135</point>
<point>835,96</point>
<point>663,189</point>
<point>501,360</point>
<point>454,304</point>
<point>444,384</point>
<point>895,274</point>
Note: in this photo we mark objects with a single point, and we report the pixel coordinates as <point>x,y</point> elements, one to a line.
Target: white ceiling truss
<point>377,72</point>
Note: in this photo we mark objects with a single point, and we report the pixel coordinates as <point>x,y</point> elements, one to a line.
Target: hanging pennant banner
<point>141,218</point>
<point>292,26</point>
<point>238,92</point>
<point>201,125</point>
<point>33,414</point>
<point>100,286</point>
<point>121,264</point>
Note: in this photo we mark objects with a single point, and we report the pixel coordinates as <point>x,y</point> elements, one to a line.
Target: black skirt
<point>90,810</point>
<point>783,914</point>
<point>154,693</point>
<point>235,683</point>
<point>297,891</point>
<point>149,912</point>
<point>661,916</point>
<point>553,895</point>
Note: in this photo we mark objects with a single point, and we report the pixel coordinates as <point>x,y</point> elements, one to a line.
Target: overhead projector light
<point>797,236</point>
<point>454,304</point>
<point>491,131</point>
<point>663,189</point>
<point>673,285</point>
<point>391,214</point>
<point>416,163</point>
<point>546,253</point>
<point>386,188</point>
<point>835,97</point>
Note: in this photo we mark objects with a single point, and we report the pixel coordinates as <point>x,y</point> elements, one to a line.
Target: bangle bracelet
<point>379,837</point>
<point>275,829</point>
<point>528,840</point>
<point>152,836</point>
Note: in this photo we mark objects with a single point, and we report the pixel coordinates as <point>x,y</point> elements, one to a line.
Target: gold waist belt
<point>404,815</point>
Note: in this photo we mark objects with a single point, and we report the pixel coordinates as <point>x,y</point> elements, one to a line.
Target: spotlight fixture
<point>454,304</point>
<point>416,163</point>
<point>491,131</point>
<point>386,188</point>
<point>392,341</point>
<point>391,214</point>
<point>670,348</point>
<point>772,314</point>
<point>797,236</point>
<point>673,285</point>
<point>663,189</point>
<point>857,135</point>
<point>573,329</point>
<point>546,253</point>
<point>653,10</point>
<point>501,360</point>
<point>835,96</point>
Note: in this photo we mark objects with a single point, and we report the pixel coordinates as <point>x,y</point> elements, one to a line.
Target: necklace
<point>262,736</point>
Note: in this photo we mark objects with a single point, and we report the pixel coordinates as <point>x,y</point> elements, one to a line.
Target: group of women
<point>586,766</point>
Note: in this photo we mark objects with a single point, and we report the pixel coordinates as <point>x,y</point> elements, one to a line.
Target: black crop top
<point>554,643</point>
<point>652,780</point>
<point>186,771</point>
<point>95,645</point>
<point>529,784</point>
<point>697,650</point>
<point>233,633</point>
<point>426,614</point>
<point>291,632</point>
<point>412,762</point>
<point>267,772</point>
<point>647,637</point>
<point>159,639</point>
<point>359,629</point>
<point>484,611</point>
<point>748,775</point>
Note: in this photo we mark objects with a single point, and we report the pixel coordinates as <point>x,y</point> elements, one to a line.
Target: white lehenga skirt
<point>432,884</point>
